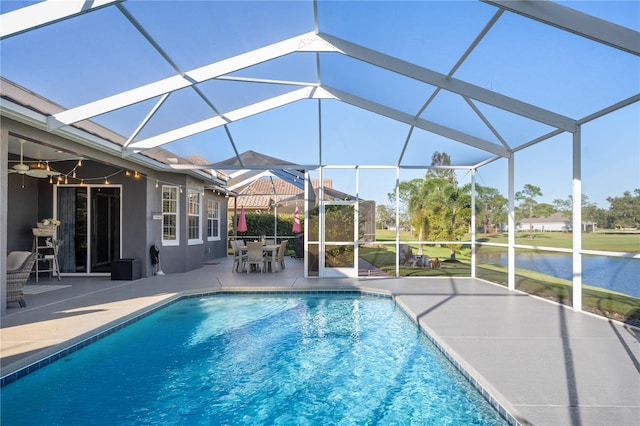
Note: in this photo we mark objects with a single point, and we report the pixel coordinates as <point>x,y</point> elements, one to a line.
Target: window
<point>170,215</point>
<point>213,220</point>
<point>193,217</point>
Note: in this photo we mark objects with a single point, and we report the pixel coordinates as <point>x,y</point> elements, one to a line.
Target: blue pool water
<point>254,360</point>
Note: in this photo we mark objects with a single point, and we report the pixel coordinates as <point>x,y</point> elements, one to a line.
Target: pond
<point>611,273</point>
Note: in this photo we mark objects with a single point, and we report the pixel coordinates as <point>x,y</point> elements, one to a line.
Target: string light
<point>50,179</point>
<point>136,175</point>
<point>106,181</point>
<point>128,173</point>
<point>157,182</point>
<point>66,180</point>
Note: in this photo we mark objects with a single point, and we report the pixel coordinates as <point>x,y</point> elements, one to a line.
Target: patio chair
<point>283,248</point>
<point>255,255</point>
<point>239,258</point>
<point>279,260</point>
<point>19,265</point>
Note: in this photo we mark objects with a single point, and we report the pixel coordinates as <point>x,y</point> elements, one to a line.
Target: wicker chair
<point>255,256</point>
<point>239,256</point>
<point>279,258</point>
<point>19,265</point>
<point>283,248</point>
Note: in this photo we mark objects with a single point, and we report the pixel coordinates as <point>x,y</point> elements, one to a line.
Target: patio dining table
<point>271,249</point>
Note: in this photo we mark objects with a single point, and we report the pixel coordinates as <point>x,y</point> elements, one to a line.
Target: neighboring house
<point>554,222</point>
<point>268,194</point>
<point>269,190</point>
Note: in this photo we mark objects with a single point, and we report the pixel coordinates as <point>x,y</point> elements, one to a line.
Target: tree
<point>590,211</point>
<point>528,199</point>
<point>385,215</point>
<point>624,212</point>
<point>491,207</point>
<point>543,210</point>
<point>438,208</point>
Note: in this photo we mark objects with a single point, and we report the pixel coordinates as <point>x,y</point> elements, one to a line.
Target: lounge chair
<point>407,255</point>
<point>19,265</point>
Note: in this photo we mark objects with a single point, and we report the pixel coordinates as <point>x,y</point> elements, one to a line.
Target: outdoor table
<point>266,249</point>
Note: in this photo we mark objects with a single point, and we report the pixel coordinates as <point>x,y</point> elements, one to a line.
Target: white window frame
<point>194,210</point>
<point>176,214</point>
<point>213,220</point>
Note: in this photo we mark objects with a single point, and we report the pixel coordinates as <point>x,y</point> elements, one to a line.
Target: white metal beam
<point>419,122</point>
<point>451,84</point>
<point>511,237</point>
<point>577,221</point>
<point>212,123</point>
<point>302,43</point>
<point>575,22</point>
<point>44,13</point>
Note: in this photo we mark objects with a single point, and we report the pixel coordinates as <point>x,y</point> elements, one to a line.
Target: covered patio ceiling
<point>323,83</point>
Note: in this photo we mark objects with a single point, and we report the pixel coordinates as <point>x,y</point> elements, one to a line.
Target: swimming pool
<point>255,359</point>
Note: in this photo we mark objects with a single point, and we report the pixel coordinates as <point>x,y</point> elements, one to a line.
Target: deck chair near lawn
<point>255,255</point>
<point>19,265</point>
<point>407,255</point>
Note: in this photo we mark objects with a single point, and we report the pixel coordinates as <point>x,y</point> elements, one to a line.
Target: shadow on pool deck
<point>545,363</point>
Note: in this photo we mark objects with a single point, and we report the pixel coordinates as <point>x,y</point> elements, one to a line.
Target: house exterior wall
<point>22,212</point>
<point>545,226</point>
<point>139,199</point>
<point>183,256</point>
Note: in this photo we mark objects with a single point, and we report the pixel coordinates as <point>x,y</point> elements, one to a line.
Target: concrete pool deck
<point>545,363</point>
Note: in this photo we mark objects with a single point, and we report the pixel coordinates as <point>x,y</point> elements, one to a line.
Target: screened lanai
<point>361,93</point>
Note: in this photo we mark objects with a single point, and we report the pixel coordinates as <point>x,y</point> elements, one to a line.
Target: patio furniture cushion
<point>16,259</point>
<point>19,265</point>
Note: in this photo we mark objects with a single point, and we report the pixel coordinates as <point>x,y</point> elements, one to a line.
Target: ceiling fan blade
<point>21,167</point>
<point>38,173</point>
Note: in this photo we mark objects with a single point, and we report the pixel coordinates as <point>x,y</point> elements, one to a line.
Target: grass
<point>626,242</point>
<point>609,240</point>
<point>602,302</point>
<point>596,300</point>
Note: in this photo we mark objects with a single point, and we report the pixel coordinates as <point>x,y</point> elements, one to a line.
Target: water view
<point>611,273</point>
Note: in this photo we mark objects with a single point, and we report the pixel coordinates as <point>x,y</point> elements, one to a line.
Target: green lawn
<point>599,301</point>
<point>622,242</point>
<point>626,242</point>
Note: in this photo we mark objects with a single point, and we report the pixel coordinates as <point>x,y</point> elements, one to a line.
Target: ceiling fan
<point>24,169</point>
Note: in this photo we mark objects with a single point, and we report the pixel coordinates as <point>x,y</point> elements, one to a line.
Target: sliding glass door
<point>89,232</point>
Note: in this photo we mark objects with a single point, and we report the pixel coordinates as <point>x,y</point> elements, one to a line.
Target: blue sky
<point>99,54</point>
